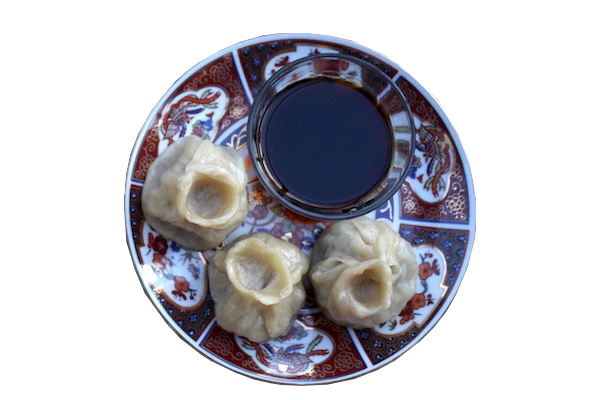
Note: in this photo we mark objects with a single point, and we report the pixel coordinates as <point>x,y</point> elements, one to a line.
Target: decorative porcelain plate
<point>434,210</point>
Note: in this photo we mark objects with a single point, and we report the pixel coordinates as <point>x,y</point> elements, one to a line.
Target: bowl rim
<point>334,214</point>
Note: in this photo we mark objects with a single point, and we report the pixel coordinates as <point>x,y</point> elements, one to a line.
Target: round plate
<point>434,210</point>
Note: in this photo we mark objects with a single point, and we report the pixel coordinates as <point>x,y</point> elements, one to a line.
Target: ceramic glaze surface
<point>434,210</point>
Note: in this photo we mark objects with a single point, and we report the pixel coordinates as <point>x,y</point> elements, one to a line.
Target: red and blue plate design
<point>434,210</point>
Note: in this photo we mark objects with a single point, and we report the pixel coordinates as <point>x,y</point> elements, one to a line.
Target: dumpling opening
<point>209,197</point>
<point>258,271</point>
<point>368,290</point>
<point>254,273</point>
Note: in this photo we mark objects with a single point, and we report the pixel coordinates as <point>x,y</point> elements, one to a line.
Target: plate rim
<point>470,226</point>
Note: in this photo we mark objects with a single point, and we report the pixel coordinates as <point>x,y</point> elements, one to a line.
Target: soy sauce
<point>327,142</point>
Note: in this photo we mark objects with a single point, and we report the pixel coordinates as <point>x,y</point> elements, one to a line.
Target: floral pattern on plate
<point>430,289</point>
<point>178,273</point>
<point>441,255</point>
<point>434,211</point>
<point>261,60</point>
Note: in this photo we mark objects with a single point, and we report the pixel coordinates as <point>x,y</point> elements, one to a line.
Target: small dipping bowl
<point>383,94</point>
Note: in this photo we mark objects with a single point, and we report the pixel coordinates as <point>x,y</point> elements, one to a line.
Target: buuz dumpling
<point>195,193</point>
<point>256,286</point>
<point>363,272</point>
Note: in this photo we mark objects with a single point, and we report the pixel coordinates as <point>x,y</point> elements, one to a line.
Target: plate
<point>434,210</point>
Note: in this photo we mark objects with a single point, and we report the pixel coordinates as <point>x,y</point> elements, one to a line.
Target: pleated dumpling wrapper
<point>256,286</point>
<point>363,272</point>
<point>195,193</point>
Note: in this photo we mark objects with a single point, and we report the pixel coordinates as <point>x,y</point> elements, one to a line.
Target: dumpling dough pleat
<point>363,272</point>
<point>256,285</point>
<point>195,193</point>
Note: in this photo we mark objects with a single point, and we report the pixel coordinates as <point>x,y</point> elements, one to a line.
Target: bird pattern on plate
<point>433,210</point>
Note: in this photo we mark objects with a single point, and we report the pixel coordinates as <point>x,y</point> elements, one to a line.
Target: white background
<point>519,82</point>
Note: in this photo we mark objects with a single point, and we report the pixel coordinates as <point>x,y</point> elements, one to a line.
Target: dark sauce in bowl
<point>327,142</point>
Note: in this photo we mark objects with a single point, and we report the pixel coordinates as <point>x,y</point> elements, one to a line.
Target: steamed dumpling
<point>363,272</point>
<point>256,285</point>
<point>195,193</point>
